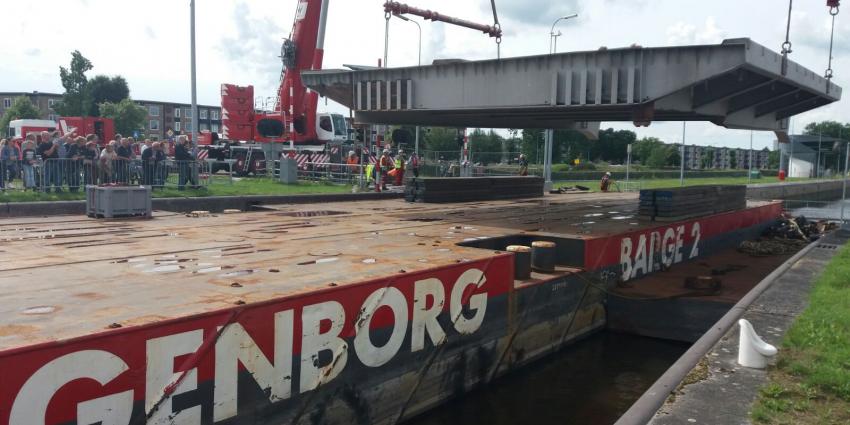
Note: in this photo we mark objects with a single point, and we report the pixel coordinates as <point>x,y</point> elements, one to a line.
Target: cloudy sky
<point>238,41</point>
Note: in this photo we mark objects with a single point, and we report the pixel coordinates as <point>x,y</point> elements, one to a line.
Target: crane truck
<point>251,136</point>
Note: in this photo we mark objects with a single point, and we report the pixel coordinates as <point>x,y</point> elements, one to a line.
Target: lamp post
<point>406,19</point>
<point>419,63</point>
<point>194,85</point>
<point>682,160</point>
<point>817,166</point>
<point>750,171</point>
<point>550,133</point>
<point>553,37</point>
<point>844,180</point>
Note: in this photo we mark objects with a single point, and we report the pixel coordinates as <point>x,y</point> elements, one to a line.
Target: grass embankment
<point>245,186</point>
<point>811,381</point>
<point>663,183</point>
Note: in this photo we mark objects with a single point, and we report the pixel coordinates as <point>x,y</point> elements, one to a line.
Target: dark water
<point>590,383</point>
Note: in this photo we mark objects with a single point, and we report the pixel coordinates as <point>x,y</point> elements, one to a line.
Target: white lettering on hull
<point>322,325</point>
<point>638,257</point>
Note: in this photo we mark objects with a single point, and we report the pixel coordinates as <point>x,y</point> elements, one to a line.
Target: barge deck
<point>364,312</point>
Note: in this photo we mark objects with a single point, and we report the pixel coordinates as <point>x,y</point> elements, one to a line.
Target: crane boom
<point>304,51</point>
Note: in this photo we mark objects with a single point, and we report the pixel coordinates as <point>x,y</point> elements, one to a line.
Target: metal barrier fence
<point>330,172</point>
<point>59,175</point>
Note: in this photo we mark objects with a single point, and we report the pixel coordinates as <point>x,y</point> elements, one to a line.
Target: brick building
<point>162,116</point>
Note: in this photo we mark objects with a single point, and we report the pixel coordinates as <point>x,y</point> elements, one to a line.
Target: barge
<point>353,312</point>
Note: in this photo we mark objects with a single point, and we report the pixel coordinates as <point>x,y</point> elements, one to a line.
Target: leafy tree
<point>76,101</point>
<point>612,145</point>
<point>107,89</point>
<point>828,129</point>
<point>773,160</point>
<point>570,144</point>
<point>127,116</point>
<point>21,108</point>
<point>444,140</point>
<point>531,144</point>
<point>486,147</point>
<point>674,155</point>
<point>643,148</point>
<point>658,156</point>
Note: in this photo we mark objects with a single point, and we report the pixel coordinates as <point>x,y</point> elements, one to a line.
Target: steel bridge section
<point>735,84</point>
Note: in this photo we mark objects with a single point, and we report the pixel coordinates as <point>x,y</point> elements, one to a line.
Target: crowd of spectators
<point>53,162</point>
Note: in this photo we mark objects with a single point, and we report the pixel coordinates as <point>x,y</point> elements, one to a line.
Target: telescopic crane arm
<point>303,51</point>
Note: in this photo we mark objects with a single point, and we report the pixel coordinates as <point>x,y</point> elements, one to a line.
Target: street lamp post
<point>844,180</point>
<point>419,63</point>
<point>550,133</point>
<point>817,166</point>
<point>194,85</point>
<point>682,160</point>
<point>750,171</point>
<point>406,19</point>
<point>553,37</point>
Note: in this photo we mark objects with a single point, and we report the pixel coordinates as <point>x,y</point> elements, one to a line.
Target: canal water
<point>819,209</point>
<point>592,382</point>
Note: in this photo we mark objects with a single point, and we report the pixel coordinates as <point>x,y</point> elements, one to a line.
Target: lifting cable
<point>498,27</point>
<point>386,37</point>
<point>833,11</point>
<point>786,46</point>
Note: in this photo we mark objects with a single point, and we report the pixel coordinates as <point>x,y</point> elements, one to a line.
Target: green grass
<point>811,381</point>
<point>664,183</point>
<point>244,186</point>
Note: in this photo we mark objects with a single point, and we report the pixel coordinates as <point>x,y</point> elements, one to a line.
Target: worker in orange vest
<point>399,167</point>
<point>385,164</point>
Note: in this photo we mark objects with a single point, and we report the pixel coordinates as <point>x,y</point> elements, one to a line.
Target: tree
<point>612,145</point>
<point>76,101</point>
<point>773,160</point>
<point>674,155</point>
<point>643,148</point>
<point>532,144</point>
<point>486,147</point>
<point>128,116</point>
<point>828,129</point>
<point>102,89</point>
<point>21,108</point>
<point>658,156</point>
<point>444,141</point>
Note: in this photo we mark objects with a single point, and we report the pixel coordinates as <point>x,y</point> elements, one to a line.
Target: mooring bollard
<point>543,256</point>
<point>752,350</point>
<point>522,261</point>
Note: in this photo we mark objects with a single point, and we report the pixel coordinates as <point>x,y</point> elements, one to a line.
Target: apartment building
<point>162,116</point>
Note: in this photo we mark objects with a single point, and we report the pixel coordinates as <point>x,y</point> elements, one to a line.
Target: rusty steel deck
<point>357,312</point>
<point>69,276</point>
<point>64,277</point>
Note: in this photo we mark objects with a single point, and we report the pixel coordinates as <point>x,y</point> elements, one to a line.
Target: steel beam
<point>736,84</point>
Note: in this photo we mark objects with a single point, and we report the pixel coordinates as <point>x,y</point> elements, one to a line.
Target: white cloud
<point>238,42</point>
<point>682,33</point>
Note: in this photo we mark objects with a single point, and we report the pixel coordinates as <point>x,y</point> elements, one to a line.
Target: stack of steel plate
<point>462,189</point>
<point>684,202</point>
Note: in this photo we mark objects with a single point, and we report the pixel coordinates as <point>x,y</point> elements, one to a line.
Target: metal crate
<point>118,201</point>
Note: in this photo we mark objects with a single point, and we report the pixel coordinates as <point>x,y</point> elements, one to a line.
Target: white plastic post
<point>753,352</point>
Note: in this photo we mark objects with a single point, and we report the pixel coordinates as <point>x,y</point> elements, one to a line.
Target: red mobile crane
<point>250,136</point>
